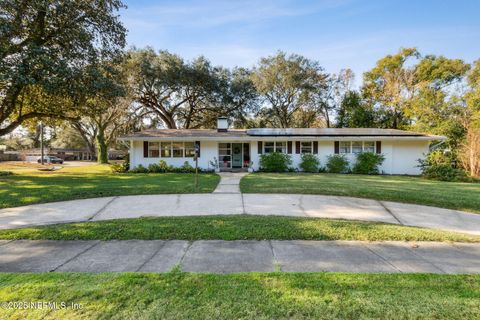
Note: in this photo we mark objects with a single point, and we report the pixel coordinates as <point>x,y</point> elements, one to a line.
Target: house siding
<point>401,157</point>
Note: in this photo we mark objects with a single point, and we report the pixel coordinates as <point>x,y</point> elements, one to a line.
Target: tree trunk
<point>102,148</point>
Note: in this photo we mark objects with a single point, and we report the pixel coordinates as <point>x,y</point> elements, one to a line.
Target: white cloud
<point>215,13</point>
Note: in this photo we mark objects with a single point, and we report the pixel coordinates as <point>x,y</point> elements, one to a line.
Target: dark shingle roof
<point>276,132</point>
<point>186,133</point>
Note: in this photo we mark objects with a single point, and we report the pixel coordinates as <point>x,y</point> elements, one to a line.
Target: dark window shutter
<point>297,147</point>
<point>197,143</point>
<point>337,147</point>
<point>260,147</point>
<point>315,147</point>
<point>289,147</point>
<point>379,146</point>
<point>145,149</point>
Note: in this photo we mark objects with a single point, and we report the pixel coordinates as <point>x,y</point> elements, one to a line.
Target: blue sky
<point>339,34</point>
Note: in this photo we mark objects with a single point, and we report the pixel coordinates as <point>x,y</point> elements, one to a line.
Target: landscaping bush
<point>368,163</point>
<point>444,172</point>
<point>187,168</point>
<point>439,166</point>
<point>163,166</point>
<point>121,167</point>
<point>154,168</point>
<point>139,169</point>
<point>337,163</point>
<point>275,162</point>
<point>309,163</point>
<point>5,173</point>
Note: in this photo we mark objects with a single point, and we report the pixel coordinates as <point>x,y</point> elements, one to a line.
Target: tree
<point>157,80</point>
<point>241,97</point>
<point>389,86</point>
<point>67,137</point>
<point>101,126</point>
<point>412,92</point>
<point>44,46</point>
<point>436,106</point>
<point>286,83</point>
<point>188,94</point>
<point>354,112</point>
<point>469,154</point>
<point>329,94</point>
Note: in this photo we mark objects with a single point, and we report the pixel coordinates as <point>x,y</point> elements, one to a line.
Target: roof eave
<point>282,137</point>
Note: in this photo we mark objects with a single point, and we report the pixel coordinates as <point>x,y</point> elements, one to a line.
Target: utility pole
<point>197,151</point>
<point>41,142</point>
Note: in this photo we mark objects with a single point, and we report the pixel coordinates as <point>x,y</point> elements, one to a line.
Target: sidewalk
<point>297,205</point>
<point>229,182</point>
<point>238,256</point>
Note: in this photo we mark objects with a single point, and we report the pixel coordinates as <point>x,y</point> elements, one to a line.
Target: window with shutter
<point>145,149</point>
<point>379,147</point>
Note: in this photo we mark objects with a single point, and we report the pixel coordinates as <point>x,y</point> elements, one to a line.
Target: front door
<point>237,155</point>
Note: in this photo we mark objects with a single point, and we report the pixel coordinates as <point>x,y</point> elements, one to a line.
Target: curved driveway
<point>236,203</point>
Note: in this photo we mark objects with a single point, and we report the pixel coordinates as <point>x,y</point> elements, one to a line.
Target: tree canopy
<point>48,54</point>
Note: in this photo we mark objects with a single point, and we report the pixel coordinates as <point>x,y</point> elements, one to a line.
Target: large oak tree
<point>45,46</point>
<point>287,82</point>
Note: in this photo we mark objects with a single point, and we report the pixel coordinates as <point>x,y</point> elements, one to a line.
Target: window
<point>177,149</point>
<point>153,149</point>
<point>281,147</point>
<point>344,146</point>
<point>189,149</point>
<point>356,146</point>
<point>306,147</point>
<point>269,147</point>
<point>369,146</point>
<point>276,146</point>
<point>224,155</point>
<point>166,149</point>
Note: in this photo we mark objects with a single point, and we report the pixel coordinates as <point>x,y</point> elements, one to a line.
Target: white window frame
<point>181,148</point>
<point>347,144</point>
<point>225,154</point>
<point>275,146</point>
<point>283,148</point>
<point>301,147</point>
<point>360,145</point>
<point>270,148</point>
<point>190,149</point>
<point>150,149</point>
<point>164,144</point>
<point>350,147</point>
<point>374,147</point>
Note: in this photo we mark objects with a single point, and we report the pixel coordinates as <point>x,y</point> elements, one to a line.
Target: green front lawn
<point>452,195</point>
<point>32,186</point>
<point>233,228</point>
<point>179,295</point>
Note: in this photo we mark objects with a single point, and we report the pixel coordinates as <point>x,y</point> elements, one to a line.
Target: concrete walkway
<point>236,203</point>
<point>229,182</point>
<point>238,256</point>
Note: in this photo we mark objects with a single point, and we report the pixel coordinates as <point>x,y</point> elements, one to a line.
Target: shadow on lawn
<point>249,296</point>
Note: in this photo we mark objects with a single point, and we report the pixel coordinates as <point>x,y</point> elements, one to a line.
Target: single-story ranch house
<point>238,148</point>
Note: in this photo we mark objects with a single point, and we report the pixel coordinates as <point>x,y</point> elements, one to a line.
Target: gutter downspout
<point>435,146</point>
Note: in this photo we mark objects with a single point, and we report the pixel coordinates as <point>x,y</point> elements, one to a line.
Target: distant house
<point>63,153</point>
<point>7,155</point>
<point>237,149</point>
<point>68,154</point>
